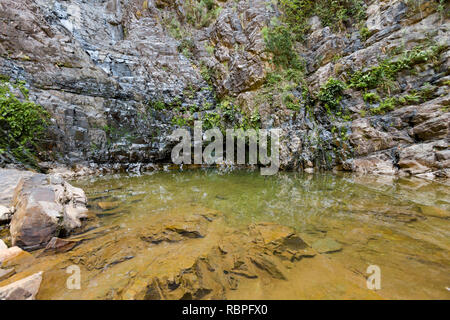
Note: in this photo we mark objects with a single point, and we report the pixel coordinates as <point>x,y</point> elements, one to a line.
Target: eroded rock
<point>45,206</point>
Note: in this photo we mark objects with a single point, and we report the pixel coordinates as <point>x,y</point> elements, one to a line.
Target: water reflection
<point>400,224</point>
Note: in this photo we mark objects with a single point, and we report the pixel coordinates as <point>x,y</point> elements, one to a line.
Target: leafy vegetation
<point>384,74</point>
<point>332,13</point>
<point>186,47</point>
<point>22,122</point>
<point>279,43</point>
<point>413,97</point>
<point>371,97</point>
<point>200,13</point>
<point>330,94</point>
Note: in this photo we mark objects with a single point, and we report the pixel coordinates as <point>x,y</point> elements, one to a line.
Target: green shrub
<point>279,43</point>
<point>386,72</point>
<point>371,97</point>
<point>158,105</point>
<point>332,13</point>
<point>387,105</point>
<point>201,13</point>
<point>187,48</point>
<point>22,123</point>
<point>330,93</point>
<point>364,33</point>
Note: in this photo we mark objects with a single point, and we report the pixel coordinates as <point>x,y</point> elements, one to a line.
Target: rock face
<point>114,73</point>
<point>25,289</point>
<point>45,206</point>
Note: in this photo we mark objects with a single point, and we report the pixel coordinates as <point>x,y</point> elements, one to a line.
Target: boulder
<point>45,206</point>
<point>25,289</point>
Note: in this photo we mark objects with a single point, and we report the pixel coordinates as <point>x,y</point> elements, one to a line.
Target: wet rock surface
<point>212,266</point>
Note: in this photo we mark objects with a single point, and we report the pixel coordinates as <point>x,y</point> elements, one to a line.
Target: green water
<point>400,224</point>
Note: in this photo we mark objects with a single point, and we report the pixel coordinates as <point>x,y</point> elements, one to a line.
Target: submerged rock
<point>108,205</point>
<point>57,245</point>
<point>25,289</point>
<point>327,245</point>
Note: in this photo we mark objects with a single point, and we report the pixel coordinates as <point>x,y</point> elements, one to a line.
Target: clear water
<point>400,224</point>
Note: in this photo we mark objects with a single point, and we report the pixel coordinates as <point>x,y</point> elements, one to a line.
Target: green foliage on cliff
<point>371,97</point>
<point>22,122</point>
<point>413,97</point>
<point>201,13</point>
<point>279,43</point>
<point>332,13</point>
<point>381,76</point>
<point>330,94</point>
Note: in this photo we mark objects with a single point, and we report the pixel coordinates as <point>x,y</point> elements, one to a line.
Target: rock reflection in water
<point>206,235</point>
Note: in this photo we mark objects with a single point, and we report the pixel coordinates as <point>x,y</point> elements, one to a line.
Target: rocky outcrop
<point>25,289</point>
<point>45,206</point>
<point>113,74</point>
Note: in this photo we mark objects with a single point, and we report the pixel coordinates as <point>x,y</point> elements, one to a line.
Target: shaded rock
<point>265,263</point>
<point>25,289</point>
<point>326,245</point>
<point>176,231</point>
<point>367,139</point>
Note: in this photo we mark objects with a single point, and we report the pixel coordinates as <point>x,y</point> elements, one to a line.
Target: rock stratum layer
<point>114,76</point>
